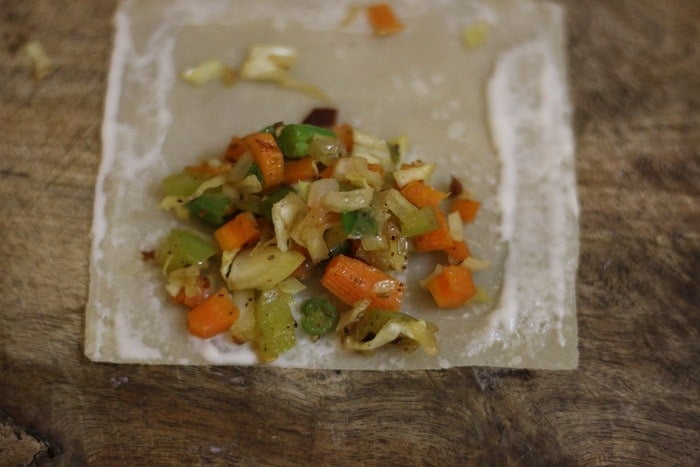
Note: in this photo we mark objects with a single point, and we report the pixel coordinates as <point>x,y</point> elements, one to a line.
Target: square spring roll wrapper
<point>497,117</point>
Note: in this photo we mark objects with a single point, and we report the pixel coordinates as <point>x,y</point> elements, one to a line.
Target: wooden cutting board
<point>635,85</point>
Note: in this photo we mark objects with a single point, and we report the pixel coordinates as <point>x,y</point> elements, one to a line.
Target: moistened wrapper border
<point>496,116</point>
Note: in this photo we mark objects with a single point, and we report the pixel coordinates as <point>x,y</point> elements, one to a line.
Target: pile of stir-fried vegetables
<point>294,198</point>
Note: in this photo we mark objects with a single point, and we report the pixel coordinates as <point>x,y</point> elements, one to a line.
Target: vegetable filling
<point>294,198</point>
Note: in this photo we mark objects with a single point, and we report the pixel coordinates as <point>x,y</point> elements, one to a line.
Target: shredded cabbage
<point>309,232</point>
<point>273,63</point>
<point>285,214</point>
<point>319,189</point>
<point>372,148</point>
<point>356,171</point>
<point>269,62</point>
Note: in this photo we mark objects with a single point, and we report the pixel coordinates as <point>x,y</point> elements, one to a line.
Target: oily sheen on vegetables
<point>292,199</point>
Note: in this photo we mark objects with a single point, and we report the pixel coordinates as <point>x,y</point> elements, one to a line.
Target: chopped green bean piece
<point>294,139</point>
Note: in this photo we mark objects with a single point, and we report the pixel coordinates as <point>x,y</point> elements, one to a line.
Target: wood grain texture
<point>635,85</point>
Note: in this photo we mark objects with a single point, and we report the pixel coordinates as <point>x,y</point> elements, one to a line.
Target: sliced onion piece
<point>208,71</point>
<point>455,226</point>
<point>412,174</point>
<point>319,189</point>
<point>351,200</point>
<point>261,268</point>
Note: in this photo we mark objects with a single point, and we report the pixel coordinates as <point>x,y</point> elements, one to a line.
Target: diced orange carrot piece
<point>237,232</point>
<point>352,280</point>
<point>268,158</point>
<point>452,287</point>
<point>214,316</point>
<point>345,133</point>
<point>422,195</point>
<point>300,169</point>
<point>459,251</point>
<point>438,239</point>
<point>467,208</point>
<point>383,20</point>
<point>236,148</point>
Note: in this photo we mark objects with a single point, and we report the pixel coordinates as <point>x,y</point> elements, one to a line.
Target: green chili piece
<point>294,139</point>
<point>318,316</point>
<point>183,248</point>
<point>212,207</point>
<point>356,224</point>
